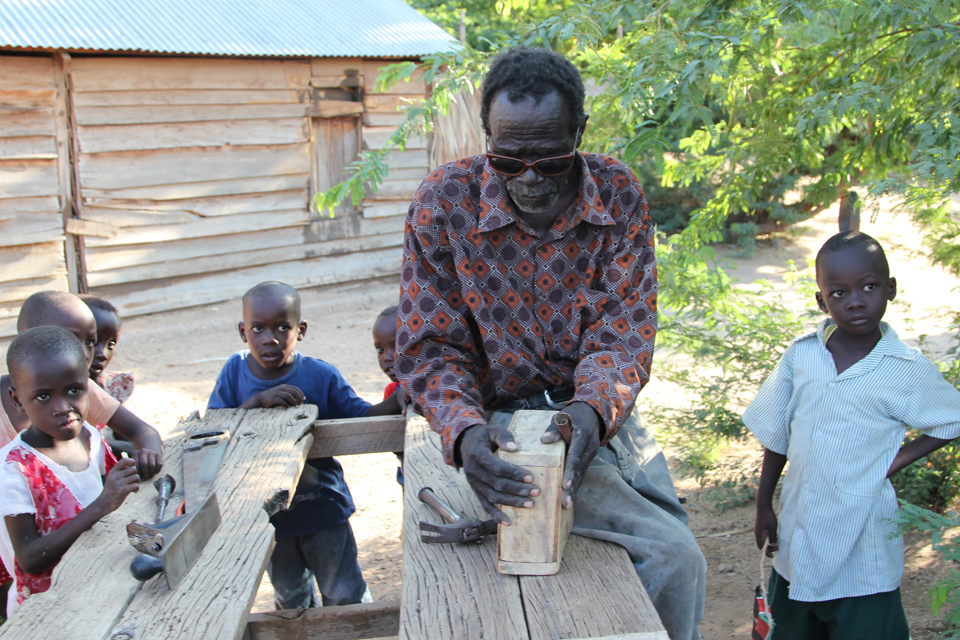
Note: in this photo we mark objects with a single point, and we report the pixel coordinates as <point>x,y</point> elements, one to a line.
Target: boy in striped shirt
<point>837,406</point>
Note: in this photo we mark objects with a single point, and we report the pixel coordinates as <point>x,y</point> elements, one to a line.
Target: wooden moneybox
<point>533,544</point>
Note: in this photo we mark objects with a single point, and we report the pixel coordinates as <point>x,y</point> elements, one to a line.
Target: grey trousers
<point>627,497</point>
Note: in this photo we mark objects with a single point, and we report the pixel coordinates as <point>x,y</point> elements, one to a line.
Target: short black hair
<point>37,309</point>
<point>526,71</point>
<point>100,304</point>
<point>389,311</point>
<point>41,342</point>
<point>274,288</point>
<point>846,240</point>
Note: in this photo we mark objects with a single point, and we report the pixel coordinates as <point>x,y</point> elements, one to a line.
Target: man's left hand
<point>581,449</point>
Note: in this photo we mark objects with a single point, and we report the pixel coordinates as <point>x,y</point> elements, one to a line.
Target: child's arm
<point>146,439</point>
<point>917,448</point>
<point>35,553</point>
<point>391,406</point>
<point>285,395</point>
<point>766,523</point>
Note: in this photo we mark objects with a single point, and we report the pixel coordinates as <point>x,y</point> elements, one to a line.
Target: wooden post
<point>66,159</point>
<point>463,26</point>
<point>533,544</point>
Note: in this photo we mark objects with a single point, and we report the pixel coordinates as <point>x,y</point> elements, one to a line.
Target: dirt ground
<point>176,357</point>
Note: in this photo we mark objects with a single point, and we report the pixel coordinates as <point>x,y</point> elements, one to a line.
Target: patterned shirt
<point>490,312</point>
<point>840,434</point>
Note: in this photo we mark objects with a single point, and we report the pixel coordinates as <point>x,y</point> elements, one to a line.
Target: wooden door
<point>337,143</point>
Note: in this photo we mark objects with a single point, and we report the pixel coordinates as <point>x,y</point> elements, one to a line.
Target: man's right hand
<point>285,395</point>
<point>494,481</point>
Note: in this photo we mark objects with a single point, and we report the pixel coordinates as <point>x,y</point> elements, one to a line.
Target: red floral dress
<point>55,506</point>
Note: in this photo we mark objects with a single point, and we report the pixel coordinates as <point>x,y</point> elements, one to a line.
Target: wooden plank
<point>127,73</point>
<point>12,100</point>
<point>93,606</point>
<point>376,434</point>
<point>31,261</point>
<point>385,208</point>
<point>157,114</point>
<point>157,296</point>
<point>213,133</point>
<point>449,590</point>
<point>597,594</point>
<point>203,227</point>
<point>28,148</point>
<point>213,206</point>
<point>261,466</point>
<point>395,190</point>
<point>126,169</point>
<point>27,122</point>
<point>343,81</point>
<point>337,144</point>
<point>19,290</point>
<point>407,159</point>
<point>12,207</point>
<point>135,217</point>
<point>412,173</point>
<point>66,171</point>
<point>28,178</point>
<point>377,137</point>
<point>83,227</point>
<point>372,69</point>
<point>373,119</point>
<point>33,228</point>
<point>26,72</point>
<point>390,104</point>
<point>211,188</point>
<point>352,622</point>
<point>335,108</point>
<point>323,230</point>
<point>335,66</point>
<point>227,259</point>
<point>229,97</point>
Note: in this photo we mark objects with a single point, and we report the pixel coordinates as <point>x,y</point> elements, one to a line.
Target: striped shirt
<point>841,434</point>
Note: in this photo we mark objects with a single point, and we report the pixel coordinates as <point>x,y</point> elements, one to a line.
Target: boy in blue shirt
<point>837,406</point>
<point>314,537</point>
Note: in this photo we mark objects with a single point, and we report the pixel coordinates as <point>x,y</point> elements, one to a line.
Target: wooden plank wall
<point>31,201</point>
<point>205,169</point>
<point>380,118</point>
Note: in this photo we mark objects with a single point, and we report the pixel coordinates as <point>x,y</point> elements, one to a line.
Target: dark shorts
<point>878,616</point>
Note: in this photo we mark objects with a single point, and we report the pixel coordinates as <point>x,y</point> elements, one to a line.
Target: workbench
<point>451,592</point>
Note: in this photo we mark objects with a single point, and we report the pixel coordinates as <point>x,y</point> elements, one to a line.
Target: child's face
<point>53,394</point>
<point>78,320</point>
<point>272,327</point>
<point>108,332</point>
<point>855,287</point>
<point>385,342</point>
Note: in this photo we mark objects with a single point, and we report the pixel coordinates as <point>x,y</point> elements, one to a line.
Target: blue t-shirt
<point>322,499</point>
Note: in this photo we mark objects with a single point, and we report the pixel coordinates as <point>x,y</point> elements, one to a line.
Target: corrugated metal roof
<point>289,28</point>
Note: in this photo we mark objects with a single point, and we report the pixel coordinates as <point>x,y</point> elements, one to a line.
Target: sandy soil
<point>176,357</point>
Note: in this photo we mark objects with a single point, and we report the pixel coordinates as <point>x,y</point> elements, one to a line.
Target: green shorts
<point>878,616</point>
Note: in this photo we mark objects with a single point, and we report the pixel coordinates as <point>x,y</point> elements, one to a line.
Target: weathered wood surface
<point>264,457</point>
<point>126,73</point>
<point>455,592</point>
<point>353,622</point>
<point>375,434</point>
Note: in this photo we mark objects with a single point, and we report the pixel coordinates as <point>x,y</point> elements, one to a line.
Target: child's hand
<point>149,462</point>
<point>402,399</point>
<point>766,529</point>
<point>121,482</point>
<point>286,395</point>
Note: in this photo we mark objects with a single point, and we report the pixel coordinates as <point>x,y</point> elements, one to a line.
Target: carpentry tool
<point>164,487</point>
<point>458,529</point>
<point>172,546</point>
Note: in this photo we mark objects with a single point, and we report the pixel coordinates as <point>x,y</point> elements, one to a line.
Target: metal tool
<point>174,545</point>
<point>458,529</point>
<point>164,487</point>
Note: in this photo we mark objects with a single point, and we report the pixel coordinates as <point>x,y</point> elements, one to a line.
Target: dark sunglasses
<point>547,167</point>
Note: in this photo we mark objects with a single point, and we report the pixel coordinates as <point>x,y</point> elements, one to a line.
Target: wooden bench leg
<point>351,622</point>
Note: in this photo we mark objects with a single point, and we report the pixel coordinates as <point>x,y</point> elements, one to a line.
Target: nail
<point>528,504</point>
<point>510,446</point>
<point>534,492</point>
<point>528,478</point>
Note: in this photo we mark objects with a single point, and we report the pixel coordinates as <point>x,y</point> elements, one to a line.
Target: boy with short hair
<point>62,309</point>
<point>837,406</point>
<point>314,537</point>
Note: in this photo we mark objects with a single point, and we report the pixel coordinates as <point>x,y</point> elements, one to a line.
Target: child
<point>66,310</point>
<point>385,342</point>
<point>837,406</point>
<point>314,537</point>
<point>50,474</point>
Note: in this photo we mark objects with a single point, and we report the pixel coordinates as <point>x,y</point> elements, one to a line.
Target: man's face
<point>530,131</point>
<point>53,394</point>
<point>271,326</point>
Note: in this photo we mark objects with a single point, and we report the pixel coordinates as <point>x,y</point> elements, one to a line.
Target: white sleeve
<point>16,494</point>
<point>934,406</point>
<point>767,415</point>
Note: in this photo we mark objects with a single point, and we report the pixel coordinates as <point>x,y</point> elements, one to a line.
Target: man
<point>529,281</point>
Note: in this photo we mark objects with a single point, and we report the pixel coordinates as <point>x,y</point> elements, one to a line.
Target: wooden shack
<point>162,178</point>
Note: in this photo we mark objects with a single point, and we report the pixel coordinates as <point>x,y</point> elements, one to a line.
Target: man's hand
<point>285,395</point>
<point>581,449</point>
<point>493,480</point>
<point>765,529</point>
